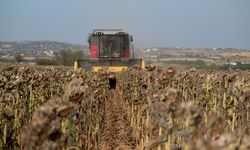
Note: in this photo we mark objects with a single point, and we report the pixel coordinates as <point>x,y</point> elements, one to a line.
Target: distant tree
<point>77,55</point>
<point>67,57</point>
<point>64,56</point>
<point>18,58</point>
<point>200,63</point>
<point>213,66</point>
<point>46,62</point>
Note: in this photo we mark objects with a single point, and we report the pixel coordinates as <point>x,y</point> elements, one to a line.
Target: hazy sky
<point>153,23</point>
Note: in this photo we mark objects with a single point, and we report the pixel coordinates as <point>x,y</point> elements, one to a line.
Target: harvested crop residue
<point>116,132</point>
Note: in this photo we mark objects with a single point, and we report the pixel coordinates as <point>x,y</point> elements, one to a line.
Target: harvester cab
<point>112,49</point>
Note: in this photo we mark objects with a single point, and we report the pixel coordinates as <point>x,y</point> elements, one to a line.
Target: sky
<point>153,23</point>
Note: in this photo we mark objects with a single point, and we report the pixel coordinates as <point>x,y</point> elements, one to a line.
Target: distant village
<point>28,52</point>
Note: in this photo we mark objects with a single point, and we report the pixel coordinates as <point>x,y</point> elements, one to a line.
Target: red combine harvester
<point>110,48</point>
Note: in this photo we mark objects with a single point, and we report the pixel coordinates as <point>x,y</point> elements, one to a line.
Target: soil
<point>116,133</point>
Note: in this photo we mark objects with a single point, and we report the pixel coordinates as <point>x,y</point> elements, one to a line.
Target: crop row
<point>171,109</point>
<point>57,108</point>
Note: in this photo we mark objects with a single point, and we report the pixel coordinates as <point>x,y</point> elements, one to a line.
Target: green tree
<point>18,58</point>
<point>67,57</point>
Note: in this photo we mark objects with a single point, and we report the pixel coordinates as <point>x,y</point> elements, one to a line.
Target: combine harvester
<point>112,49</point>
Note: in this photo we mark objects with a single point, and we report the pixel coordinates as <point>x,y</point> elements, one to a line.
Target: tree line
<point>63,57</point>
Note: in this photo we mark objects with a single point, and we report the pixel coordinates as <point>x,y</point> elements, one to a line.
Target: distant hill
<point>36,48</point>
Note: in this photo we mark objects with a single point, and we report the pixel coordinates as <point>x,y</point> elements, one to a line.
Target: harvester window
<point>110,46</point>
<point>104,51</point>
<point>115,46</point>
